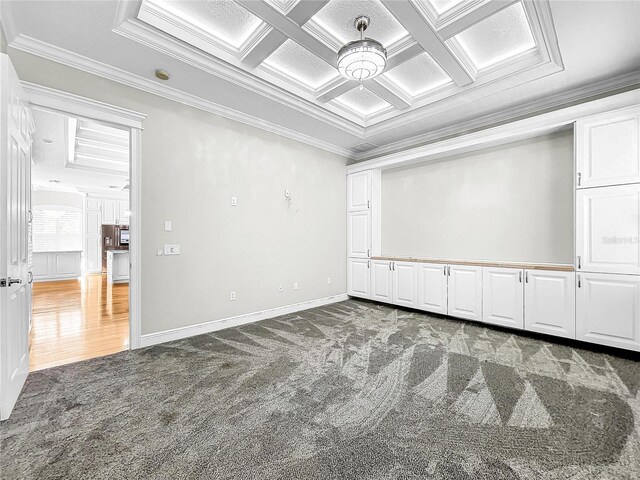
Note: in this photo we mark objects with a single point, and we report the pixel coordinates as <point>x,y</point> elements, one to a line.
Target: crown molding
<point>549,103</point>
<point>65,57</point>
<point>541,124</point>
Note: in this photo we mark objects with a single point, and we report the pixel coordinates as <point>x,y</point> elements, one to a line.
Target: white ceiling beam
<point>300,14</point>
<point>428,39</point>
<point>335,89</point>
<point>475,16</point>
<point>290,29</point>
<point>387,94</point>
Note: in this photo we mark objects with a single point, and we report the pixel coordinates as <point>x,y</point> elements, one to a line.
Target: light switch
<point>167,225</point>
<point>172,249</point>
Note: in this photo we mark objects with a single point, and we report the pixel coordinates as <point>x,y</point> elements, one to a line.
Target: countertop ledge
<point>559,267</point>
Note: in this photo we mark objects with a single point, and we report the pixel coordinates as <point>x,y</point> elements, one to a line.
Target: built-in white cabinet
<point>359,191</point>
<point>93,235</point>
<point>359,234</point>
<point>608,149</point>
<point>464,291</point>
<point>608,309</point>
<point>608,229</point>
<point>381,280</point>
<point>358,277</point>
<point>549,302</point>
<point>503,297</point>
<point>56,266</point>
<point>117,266</point>
<point>405,283</point>
<point>114,211</point>
<point>432,287</point>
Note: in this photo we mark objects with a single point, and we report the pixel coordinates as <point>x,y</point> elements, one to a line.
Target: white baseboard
<point>200,328</point>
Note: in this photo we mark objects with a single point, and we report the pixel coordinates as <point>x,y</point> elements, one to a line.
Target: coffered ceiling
<point>453,65</point>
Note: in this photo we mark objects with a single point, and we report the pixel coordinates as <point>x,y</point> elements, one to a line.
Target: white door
<point>432,288</point>
<point>15,199</point>
<point>503,296</point>
<point>549,302</point>
<point>465,292</point>
<point>109,212</point>
<point>381,280</point>
<point>93,232</point>
<point>358,277</point>
<point>359,234</point>
<point>608,309</point>
<point>405,283</point>
<point>358,191</point>
<point>608,149</point>
<point>608,229</point>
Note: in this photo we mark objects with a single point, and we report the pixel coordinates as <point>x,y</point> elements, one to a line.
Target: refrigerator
<point>114,237</point>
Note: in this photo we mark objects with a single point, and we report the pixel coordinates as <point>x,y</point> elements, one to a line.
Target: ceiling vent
<point>364,147</point>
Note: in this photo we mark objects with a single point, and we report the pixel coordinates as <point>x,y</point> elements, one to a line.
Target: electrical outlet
<point>172,249</point>
<point>295,285</point>
<point>234,201</point>
<point>328,280</point>
<point>280,289</point>
<point>232,296</point>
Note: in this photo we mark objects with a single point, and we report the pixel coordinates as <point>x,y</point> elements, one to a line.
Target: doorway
<point>80,238</point>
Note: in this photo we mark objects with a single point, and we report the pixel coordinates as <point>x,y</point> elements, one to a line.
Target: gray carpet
<point>351,390</point>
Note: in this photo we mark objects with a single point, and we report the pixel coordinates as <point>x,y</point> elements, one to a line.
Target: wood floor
<point>78,319</point>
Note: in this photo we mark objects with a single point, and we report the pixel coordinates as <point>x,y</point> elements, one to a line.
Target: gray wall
<point>508,203</point>
<point>193,162</point>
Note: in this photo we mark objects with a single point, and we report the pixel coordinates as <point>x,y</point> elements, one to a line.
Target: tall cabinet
<point>608,228</point>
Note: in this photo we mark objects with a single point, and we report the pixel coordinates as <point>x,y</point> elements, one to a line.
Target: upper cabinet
<point>115,212</point>
<point>608,149</point>
<point>608,229</point>
<point>358,191</point>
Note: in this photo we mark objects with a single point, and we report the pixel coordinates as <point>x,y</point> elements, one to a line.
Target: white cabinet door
<point>608,229</point>
<point>66,265</point>
<point>358,191</point>
<point>120,267</point>
<point>358,277</point>
<point>381,280</point>
<point>93,203</point>
<point>93,260</point>
<point>405,284</point>
<point>549,302</point>
<point>109,211</point>
<point>123,209</point>
<point>608,309</point>
<point>465,292</point>
<point>608,149</point>
<point>93,223</point>
<point>42,266</point>
<point>503,296</point>
<point>432,288</point>
<point>359,234</point>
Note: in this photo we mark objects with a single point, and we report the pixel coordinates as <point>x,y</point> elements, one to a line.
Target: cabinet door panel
<point>93,204</point>
<point>608,149</point>
<point>465,292</point>
<point>405,284</point>
<point>358,191</point>
<point>359,234</point>
<point>381,280</point>
<point>549,303</point>
<point>123,209</point>
<point>608,229</point>
<point>503,297</point>
<point>608,310</point>
<point>109,213</point>
<point>432,287</point>
<point>358,277</point>
<point>94,264</point>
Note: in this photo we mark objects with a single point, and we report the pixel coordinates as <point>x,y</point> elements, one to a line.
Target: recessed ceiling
<point>453,65</point>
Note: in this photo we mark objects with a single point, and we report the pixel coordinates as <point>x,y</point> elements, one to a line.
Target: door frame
<point>68,103</point>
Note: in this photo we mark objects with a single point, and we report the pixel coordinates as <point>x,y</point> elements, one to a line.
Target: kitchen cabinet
<point>359,234</point>
<point>405,283</point>
<point>503,296</point>
<point>358,277</point>
<point>608,149</point>
<point>608,309</point>
<point>549,302</point>
<point>359,191</point>
<point>114,211</point>
<point>432,287</point>
<point>608,229</point>
<point>117,266</point>
<point>381,280</point>
<point>464,290</point>
<point>56,265</point>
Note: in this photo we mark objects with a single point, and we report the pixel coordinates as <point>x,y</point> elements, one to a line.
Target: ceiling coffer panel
<point>363,101</point>
<point>418,76</point>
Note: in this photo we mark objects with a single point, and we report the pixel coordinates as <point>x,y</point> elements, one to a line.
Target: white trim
<point>65,57</point>
<point>215,325</point>
<point>518,130</point>
<point>84,107</point>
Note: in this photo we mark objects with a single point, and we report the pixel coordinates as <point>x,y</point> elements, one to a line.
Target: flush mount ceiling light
<point>162,74</point>
<point>362,59</point>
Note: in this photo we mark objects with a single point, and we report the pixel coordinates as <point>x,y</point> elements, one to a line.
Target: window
<point>57,228</point>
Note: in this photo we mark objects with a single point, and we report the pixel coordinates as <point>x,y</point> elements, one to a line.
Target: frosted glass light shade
<point>362,59</point>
